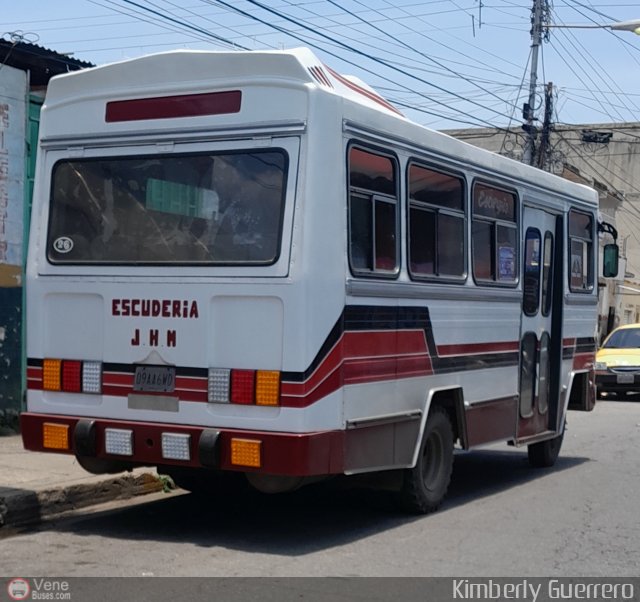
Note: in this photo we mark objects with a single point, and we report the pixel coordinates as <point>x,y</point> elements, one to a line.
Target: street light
<point>633,25</point>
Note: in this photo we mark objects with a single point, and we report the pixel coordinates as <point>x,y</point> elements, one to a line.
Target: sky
<point>444,63</point>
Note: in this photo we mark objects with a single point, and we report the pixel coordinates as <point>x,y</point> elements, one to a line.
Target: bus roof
<point>192,68</point>
<point>79,100</point>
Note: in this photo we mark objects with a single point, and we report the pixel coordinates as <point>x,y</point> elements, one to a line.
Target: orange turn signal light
<point>55,436</point>
<point>267,387</point>
<point>246,452</point>
<point>52,375</point>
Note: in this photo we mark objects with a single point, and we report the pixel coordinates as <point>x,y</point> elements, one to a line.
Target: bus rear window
<point>185,209</point>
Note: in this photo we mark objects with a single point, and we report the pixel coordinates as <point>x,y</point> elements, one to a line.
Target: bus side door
<point>540,332</point>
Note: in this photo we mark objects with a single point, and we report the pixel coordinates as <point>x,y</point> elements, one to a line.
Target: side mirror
<point>610,261</point>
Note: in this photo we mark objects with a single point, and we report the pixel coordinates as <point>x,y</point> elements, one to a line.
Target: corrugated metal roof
<point>41,62</point>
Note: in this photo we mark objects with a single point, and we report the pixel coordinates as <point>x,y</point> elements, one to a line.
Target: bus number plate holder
<point>155,379</point>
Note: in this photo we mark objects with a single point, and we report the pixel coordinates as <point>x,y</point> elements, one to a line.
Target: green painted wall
<point>20,137</point>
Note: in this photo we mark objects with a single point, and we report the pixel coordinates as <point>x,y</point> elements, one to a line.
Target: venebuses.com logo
<point>18,589</point>
<point>38,588</point>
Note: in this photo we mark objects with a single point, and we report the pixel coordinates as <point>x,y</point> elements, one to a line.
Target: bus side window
<point>580,252</point>
<point>483,251</point>
<point>494,235</point>
<point>436,223</point>
<point>385,234</point>
<point>373,213</point>
<point>360,233</point>
<point>532,272</point>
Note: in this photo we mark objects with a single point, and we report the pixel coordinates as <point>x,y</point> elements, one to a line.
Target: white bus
<point>246,262</point>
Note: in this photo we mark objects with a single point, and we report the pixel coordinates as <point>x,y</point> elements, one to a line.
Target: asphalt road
<point>501,518</point>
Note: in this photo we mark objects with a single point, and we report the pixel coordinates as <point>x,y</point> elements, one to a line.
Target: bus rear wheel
<point>425,485</point>
<point>204,482</point>
<point>545,453</point>
<point>102,465</point>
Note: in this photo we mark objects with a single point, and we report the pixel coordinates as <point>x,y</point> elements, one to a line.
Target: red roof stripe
<point>360,90</point>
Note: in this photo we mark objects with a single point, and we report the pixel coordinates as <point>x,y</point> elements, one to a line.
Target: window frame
<point>547,277</point>
<point>437,210</point>
<point>495,223</point>
<point>178,264</point>
<point>590,244</point>
<point>532,234</point>
<point>374,197</point>
<point>528,373</point>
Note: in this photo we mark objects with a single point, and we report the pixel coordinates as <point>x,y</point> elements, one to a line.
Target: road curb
<point>24,507</point>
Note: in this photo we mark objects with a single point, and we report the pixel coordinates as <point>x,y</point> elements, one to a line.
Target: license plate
<point>160,379</point>
<point>625,379</point>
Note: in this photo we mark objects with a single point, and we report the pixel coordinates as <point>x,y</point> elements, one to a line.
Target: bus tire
<point>102,465</point>
<point>425,485</point>
<point>204,482</point>
<point>545,453</point>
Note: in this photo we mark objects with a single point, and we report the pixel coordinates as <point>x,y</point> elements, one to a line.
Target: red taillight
<point>242,386</point>
<point>72,376</point>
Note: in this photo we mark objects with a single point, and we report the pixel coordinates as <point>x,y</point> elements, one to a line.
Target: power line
<point>404,44</point>
<point>578,66</point>
<point>600,167</point>
<point>186,25</point>
<point>358,52</point>
<point>605,74</point>
<point>472,118</point>
<point>405,39</point>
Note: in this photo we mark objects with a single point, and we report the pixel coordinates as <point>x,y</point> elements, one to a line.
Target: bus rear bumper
<point>157,444</point>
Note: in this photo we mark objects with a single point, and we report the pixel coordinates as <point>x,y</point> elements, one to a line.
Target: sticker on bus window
<point>577,272</point>
<point>64,244</point>
<point>507,263</point>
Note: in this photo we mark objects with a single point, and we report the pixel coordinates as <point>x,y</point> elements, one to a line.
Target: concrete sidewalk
<point>34,485</point>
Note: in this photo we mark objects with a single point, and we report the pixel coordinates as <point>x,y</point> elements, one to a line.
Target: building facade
<point>25,70</point>
<point>605,156</point>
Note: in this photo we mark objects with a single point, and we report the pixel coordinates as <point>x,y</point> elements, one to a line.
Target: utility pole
<point>545,136</point>
<point>540,24</point>
<point>540,8</point>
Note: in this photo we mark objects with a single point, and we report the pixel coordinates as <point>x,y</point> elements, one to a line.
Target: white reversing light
<point>118,442</point>
<point>219,385</point>
<point>92,377</point>
<point>176,446</point>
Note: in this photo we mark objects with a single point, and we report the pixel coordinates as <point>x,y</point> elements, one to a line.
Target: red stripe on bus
<point>478,348</point>
<point>367,345</point>
<point>301,395</point>
<point>378,343</point>
<point>368,370</point>
<point>358,358</point>
<point>34,378</point>
<point>583,360</point>
<point>360,90</point>
<point>320,76</point>
<point>192,383</point>
<point>295,395</point>
<point>119,379</point>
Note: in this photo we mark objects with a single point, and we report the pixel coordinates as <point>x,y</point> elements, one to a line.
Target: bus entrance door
<point>540,333</point>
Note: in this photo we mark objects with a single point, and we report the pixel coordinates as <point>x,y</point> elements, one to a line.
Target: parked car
<point>618,362</point>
